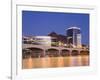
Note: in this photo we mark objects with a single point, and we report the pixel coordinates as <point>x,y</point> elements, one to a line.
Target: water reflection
<point>47,62</point>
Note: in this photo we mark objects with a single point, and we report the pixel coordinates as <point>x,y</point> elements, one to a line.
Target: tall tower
<point>74,36</point>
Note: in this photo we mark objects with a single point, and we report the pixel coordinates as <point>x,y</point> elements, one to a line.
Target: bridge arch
<point>75,52</point>
<point>36,52</point>
<point>26,53</point>
<point>52,52</point>
<point>65,52</point>
<point>84,52</point>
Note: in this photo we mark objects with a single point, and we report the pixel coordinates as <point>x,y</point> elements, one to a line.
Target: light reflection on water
<point>52,62</point>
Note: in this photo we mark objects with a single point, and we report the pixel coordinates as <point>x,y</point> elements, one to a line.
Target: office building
<point>74,37</point>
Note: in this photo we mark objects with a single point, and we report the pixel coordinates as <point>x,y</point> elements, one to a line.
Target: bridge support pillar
<point>70,52</point>
<point>44,53</point>
<point>59,54</point>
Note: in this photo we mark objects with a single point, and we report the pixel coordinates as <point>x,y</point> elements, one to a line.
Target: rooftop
<point>73,28</point>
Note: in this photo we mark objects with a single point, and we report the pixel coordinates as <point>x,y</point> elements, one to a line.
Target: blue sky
<point>41,23</point>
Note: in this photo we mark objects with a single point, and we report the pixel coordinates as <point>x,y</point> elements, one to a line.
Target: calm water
<point>52,62</point>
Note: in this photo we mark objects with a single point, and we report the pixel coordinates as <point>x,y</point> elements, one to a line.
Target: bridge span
<point>30,50</point>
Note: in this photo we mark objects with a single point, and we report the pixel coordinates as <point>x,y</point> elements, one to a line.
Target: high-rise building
<point>74,37</point>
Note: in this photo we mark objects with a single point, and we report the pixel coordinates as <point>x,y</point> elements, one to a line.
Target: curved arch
<point>52,52</point>
<point>75,53</point>
<point>84,52</point>
<point>36,52</point>
<point>26,53</point>
<point>52,49</point>
<point>34,48</point>
<point>65,52</point>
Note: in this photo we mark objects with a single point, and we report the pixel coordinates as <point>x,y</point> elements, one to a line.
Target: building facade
<point>37,40</point>
<point>74,37</point>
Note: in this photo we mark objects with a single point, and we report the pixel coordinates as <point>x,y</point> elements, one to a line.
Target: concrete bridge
<point>30,50</point>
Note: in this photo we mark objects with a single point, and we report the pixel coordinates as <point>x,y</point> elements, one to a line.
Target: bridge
<point>30,50</point>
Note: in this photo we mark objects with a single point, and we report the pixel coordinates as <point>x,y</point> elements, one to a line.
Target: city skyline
<point>35,23</point>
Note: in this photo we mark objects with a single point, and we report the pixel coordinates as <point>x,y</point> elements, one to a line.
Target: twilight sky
<point>41,23</point>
